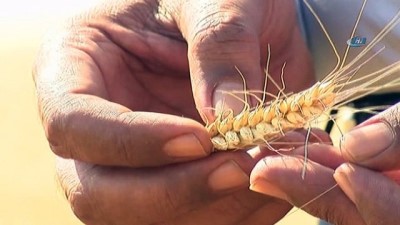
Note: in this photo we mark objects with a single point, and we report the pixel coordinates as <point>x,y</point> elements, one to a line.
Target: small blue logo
<point>357,41</point>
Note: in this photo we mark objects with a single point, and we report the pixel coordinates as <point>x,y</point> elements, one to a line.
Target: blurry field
<point>28,188</point>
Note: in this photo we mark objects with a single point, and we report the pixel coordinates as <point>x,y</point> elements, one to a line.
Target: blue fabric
<point>321,222</point>
<point>339,17</point>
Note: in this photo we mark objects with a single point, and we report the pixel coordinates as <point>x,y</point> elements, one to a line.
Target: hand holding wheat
<point>115,88</point>
<point>369,185</point>
<point>357,182</point>
<point>373,148</point>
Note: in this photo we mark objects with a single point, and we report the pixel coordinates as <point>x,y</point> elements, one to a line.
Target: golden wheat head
<point>271,120</point>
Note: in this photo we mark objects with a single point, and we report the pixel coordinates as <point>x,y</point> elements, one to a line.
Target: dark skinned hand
<point>366,168</point>
<point>120,89</point>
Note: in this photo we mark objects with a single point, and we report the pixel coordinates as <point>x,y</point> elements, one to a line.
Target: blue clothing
<point>339,17</point>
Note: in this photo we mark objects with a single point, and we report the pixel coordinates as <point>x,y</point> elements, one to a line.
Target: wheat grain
<point>271,120</point>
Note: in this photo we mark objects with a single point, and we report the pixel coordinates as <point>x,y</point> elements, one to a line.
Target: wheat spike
<point>271,120</point>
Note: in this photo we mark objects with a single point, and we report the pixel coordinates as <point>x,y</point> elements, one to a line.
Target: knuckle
<point>220,28</point>
<point>126,141</point>
<point>175,200</point>
<point>81,205</point>
<point>392,116</point>
<point>54,131</point>
<point>236,205</point>
<point>332,216</point>
<point>243,203</point>
<point>327,213</point>
<point>179,200</point>
<point>54,122</point>
<point>79,198</point>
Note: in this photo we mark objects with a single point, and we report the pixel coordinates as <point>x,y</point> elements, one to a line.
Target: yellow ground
<point>28,190</point>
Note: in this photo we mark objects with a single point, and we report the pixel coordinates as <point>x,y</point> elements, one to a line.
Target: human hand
<point>110,67</point>
<point>371,181</point>
<point>212,189</point>
<point>113,85</point>
<point>368,175</point>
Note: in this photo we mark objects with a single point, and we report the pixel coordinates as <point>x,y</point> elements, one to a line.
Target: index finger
<point>375,143</point>
<point>279,176</point>
<point>80,122</point>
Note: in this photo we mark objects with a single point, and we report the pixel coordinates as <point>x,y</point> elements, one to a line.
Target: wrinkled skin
<point>116,86</point>
<point>114,83</point>
<point>366,168</point>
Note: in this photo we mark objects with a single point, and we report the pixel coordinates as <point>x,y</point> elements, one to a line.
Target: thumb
<point>375,143</point>
<point>225,37</point>
<point>375,196</point>
<point>222,43</point>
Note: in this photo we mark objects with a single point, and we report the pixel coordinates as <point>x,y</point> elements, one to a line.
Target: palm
<point>143,84</point>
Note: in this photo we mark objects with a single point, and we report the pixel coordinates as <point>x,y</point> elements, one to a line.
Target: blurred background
<point>28,186</point>
<point>29,193</point>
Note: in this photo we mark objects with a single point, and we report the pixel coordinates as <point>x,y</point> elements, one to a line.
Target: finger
<point>270,213</point>
<point>326,155</point>
<point>301,137</point>
<point>93,130</point>
<point>375,143</point>
<point>318,136</point>
<point>238,208</point>
<point>226,36</point>
<point>280,176</point>
<point>148,196</point>
<point>290,142</point>
<point>376,196</point>
<point>223,41</point>
<point>82,121</point>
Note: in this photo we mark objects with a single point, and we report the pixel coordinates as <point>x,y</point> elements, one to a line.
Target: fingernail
<point>342,179</point>
<point>228,176</point>
<point>366,142</point>
<point>222,100</point>
<point>267,188</point>
<point>185,146</point>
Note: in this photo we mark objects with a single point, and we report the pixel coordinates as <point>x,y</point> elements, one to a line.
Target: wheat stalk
<point>269,121</point>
